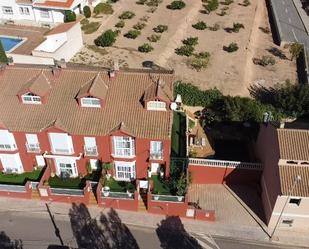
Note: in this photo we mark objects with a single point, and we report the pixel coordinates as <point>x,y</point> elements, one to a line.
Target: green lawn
<point>160,187</point>
<point>117,186</point>
<point>70,183</point>
<point>179,135</point>
<point>20,179</point>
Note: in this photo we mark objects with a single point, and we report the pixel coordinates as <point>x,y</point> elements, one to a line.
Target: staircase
<point>35,194</point>
<point>142,202</point>
<point>92,197</point>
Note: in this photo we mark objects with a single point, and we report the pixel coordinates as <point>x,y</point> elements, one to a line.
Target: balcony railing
<point>34,148</point>
<point>118,195</point>
<point>168,198</point>
<point>156,156</point>
<point>91,151</point>
<point>63,191</point>
<point>62,151</point>
<point>8,147</point>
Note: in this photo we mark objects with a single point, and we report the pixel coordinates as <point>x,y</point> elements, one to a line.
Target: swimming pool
<point>10,43</point>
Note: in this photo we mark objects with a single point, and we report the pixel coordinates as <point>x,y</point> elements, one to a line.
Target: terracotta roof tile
<point>62,28</point>
<point>293,144</point>
<point>158,89</point>
<point>288,174</point>
<point>96,87</point>
<point>55,3</point>
<point>122,103</point>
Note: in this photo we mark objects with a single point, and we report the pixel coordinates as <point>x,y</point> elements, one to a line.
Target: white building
<point>40,11</point>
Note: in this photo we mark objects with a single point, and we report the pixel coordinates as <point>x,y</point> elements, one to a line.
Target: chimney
<point>56,72</point>
<point>111,74</point>
<point>61,64</point>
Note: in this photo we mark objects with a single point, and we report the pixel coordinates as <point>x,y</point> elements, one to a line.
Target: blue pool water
<point>8,43</point>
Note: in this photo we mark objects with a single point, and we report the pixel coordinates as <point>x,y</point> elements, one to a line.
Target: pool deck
<point>34,35</point>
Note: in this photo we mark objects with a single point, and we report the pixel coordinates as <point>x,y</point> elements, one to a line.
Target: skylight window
<point>90,102</point>
<point>156,105</point>
<point>30,98</point>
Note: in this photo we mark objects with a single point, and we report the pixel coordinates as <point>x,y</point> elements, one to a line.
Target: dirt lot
<point>232,73</point>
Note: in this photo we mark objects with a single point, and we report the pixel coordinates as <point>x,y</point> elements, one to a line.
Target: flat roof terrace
<point>34,36</point>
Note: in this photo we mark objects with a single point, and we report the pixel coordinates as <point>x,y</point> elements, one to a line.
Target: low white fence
<point>225,164</point>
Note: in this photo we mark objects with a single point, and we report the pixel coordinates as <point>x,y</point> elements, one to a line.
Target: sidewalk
<point>61,210</point>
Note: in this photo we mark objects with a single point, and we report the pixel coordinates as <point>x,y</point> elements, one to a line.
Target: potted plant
<point>149,172</point>
<point>105,191</point>
<point>162,172</point>
<point>130,189</point>
<point>52,174</point>
<point>181,187</point>
<point>156,193</point>
<point>108,167</point>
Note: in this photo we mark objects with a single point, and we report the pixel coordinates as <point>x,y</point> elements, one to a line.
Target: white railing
<point>91,151</point>
<point>156,156</point>
<point>225,164</point>
<point>62,151</point>
<point>33,147</point>
<point>167,198</point>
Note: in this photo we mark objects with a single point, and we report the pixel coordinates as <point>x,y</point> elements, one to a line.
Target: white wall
<point>29,59</point>
<point>16,12</point>
<point>68,49</point>
<point>52,43</point>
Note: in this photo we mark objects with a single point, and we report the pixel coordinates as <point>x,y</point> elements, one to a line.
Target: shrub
<point>153,3</point>
<point>145,48</point>
<point>191,41</point>
<point>154,38</point>
<point>90,27</point>
<point>264,61</point>
<point>141,2</point>
<point>227,2</point>
<point>107,39</point>
<point>295,50</point>
<point>3,57</point>
<point>84,21</point>
<point>87,11</point>
<point>212,5</point>
<point>126,15</point>
<point>215,27</point>
<point>202,55</point>
<point>120,24</point>
<point>139,26</point>
<point>265,30</point>
<point>200,61</point>
<point>237,26</point>
<point>200,25</point>
<point>160,28</point>
<point>176,5</point>
<point>246,3</point>
<point>232,47</point>
<point>69,16</point>
<point>103,8</point>
<point>144,18</point>
<point>185,50</point>
<point>132,34</point>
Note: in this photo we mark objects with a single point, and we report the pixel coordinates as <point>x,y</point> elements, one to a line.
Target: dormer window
<point>156,105</point>
<point>30,98</point>
<point>90,102</point>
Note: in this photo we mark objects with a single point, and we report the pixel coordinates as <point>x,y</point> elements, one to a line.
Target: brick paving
<point>34,35</point>
<point>217,197</point>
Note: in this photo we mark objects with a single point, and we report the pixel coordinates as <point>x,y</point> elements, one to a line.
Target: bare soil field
<point>233,73</point>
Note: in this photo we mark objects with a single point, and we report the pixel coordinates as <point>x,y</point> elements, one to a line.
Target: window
<point>295,201</point>
<point>32,144</point>
<point>24,11</point>
<point>90,102</point>
<point>44,13</point>
<point>125,170</point>
<point>11,163</point>
<point>7,10</point>
<point>61,143</point>
<point>156,105</point>
<point>287,222</point>
<point>30,98</point>
<point>156,150</point>
<point>90,147</point>
<point>66,167</point>
<point>123,146</point>
<point>7,140</point>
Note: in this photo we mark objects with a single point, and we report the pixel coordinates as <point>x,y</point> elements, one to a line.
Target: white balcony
<point>91,151</point>
<point>33,148</point>
<point>63,151</point>
<point>8,147</point>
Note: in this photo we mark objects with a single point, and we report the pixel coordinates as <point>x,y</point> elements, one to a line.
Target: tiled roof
<point>158,89</point>
<point>24,1</point>
<point>62,28</point>
<point>293,144</point>
<point>95,88</point>
<point>288,176</point>
<point>122,102</point>
<point>55,3</point>
<point>39,85</point>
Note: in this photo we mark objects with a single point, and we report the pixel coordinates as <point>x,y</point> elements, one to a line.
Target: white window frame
<point>44,13</point>
<point>7,10</point>
<point>156,106</point>
<point>32,143</point>
<point>10,144</point>
<point>123,146</point>
<point>16,168</point>
<point>156,150</point>
<point>90,147</point>
<point>24,11</point>
<point>30,98</point>
<point>125,171</point>
<point>68,140</point>
<point>62,165</point>
<point>90,102</point>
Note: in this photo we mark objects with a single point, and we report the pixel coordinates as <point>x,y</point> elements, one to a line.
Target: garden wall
<point>16,191</point>
<point>117,203</point>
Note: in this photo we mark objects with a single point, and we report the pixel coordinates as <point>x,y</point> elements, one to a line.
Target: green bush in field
<point>200,25</point>
<point>126,15</point>
<point>103,8</point>
<point>160,28</point>
<point>176,5</point>
<point>87,11</point>
<point>145,48</point>
<point>69,16</point>
<point>107,39</point>
<point>132,34</point>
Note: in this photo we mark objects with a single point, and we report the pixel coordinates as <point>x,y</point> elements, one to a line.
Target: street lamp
<point>297,179</point>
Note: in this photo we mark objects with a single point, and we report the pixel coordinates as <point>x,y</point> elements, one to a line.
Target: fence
<point>18,191</point>
<point>225,164</point>
<point>168,198</point>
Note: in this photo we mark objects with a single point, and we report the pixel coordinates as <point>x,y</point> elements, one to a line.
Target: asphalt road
<point>39,232</point>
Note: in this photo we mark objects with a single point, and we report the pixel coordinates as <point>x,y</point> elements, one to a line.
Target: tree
<point>103,8</point>
<point>69,16</point>
<point>295,50</point>
<point>107,39</point>
<point>212,5</point>
<point>145,48</point>
<point>176,5</point>
<point>3,57</point>
<point>87,11</point>
<point>232,47</point>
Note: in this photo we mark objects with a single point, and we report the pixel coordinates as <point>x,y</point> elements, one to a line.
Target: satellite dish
<point>173,106</point>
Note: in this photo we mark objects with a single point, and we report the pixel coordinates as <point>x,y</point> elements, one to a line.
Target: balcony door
<point>66,167</point>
